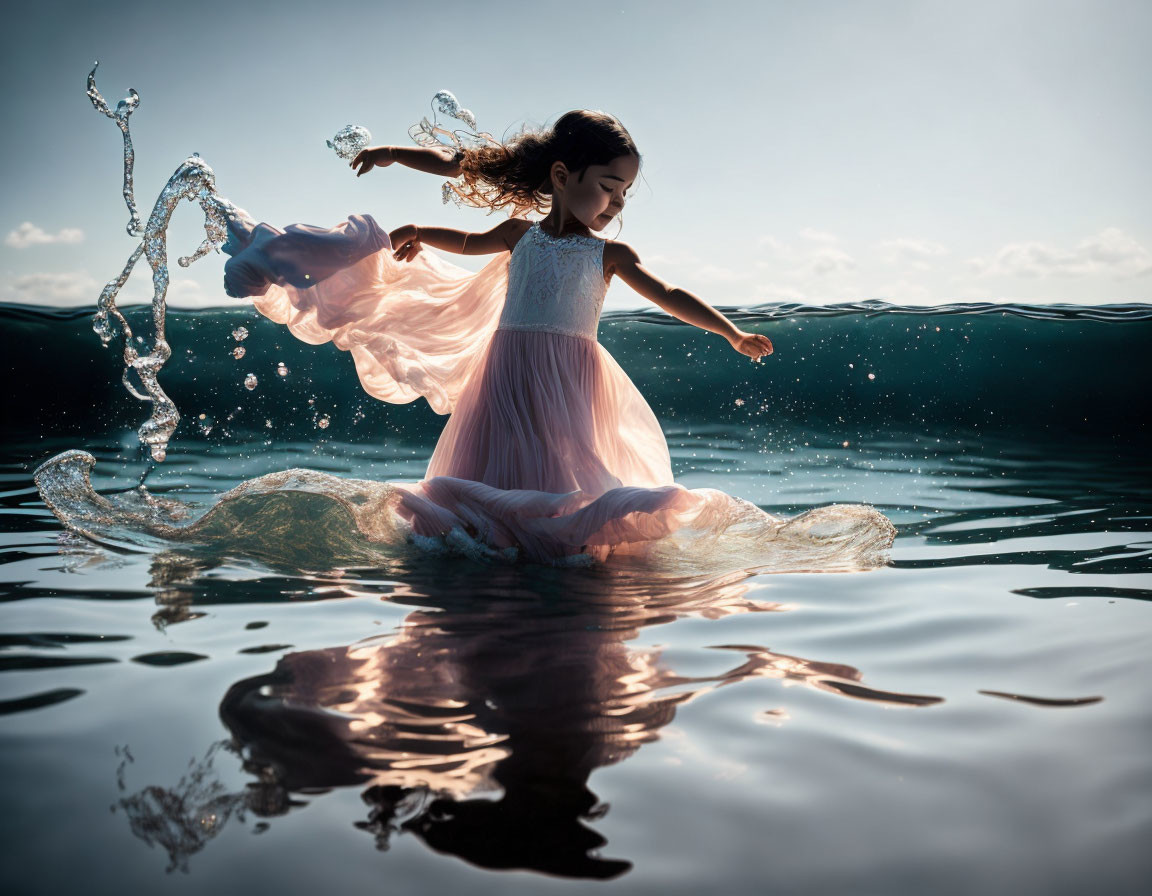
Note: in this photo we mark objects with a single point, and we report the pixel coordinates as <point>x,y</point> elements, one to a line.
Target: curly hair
<point>516,175</point>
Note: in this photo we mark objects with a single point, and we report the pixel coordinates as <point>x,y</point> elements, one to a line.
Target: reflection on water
<point>476,724</point>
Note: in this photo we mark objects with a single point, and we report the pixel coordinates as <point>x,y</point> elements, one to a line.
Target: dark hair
<point>516,175</point>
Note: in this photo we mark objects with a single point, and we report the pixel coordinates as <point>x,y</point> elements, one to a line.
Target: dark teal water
<point>971,717</point>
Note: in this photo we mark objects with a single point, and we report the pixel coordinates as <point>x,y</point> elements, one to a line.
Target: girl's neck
<point>551,226</point>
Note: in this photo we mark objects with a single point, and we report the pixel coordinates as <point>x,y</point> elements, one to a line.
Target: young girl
<point>550,451</point>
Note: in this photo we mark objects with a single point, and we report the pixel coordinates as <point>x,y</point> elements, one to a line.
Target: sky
<point>825,151</point>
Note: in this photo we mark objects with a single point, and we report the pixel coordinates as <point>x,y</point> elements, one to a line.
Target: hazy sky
<point>819,151</point>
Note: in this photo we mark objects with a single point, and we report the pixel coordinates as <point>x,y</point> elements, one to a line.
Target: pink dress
<point>550,453</point>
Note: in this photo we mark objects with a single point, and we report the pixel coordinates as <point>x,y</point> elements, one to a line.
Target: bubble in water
<point>238,352</point>
<point>250,382</point>
<point>323,422</point>
<point>240,334</point>
<point>281,369</point>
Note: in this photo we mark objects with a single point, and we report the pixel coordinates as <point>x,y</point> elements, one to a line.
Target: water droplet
<point>871,376</point>
<point>250,382</point>
<point>323,422</point>
<point>240,334</point>
<point>238,352</point>
<point>267,424</point>
<point>281,369</point>
<point>349,140</point>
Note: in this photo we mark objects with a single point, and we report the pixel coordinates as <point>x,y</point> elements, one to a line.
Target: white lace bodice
<point>555,284</point>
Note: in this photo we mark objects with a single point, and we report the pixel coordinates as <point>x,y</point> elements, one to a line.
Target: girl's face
<point>598,197</point>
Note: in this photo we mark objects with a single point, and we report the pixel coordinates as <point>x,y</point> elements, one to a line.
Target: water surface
<point>970,717</point>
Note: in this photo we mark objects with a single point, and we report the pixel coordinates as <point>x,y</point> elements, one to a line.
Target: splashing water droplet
<point>250,382</point>
<point>281,369</point>
<point>194,181</point>
<point>238,352</point>
<point>349,140</point>
<point>323,422</point>
<point>449,105</point>
<point>240,334</point>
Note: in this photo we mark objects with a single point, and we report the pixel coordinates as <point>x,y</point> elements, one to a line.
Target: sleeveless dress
<point>550,452</point>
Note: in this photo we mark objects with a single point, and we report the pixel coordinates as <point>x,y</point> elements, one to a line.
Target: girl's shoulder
<point>515,228</point>
<point>617,254</point>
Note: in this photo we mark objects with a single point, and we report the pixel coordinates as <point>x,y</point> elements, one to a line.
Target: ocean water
<point>970,716</point>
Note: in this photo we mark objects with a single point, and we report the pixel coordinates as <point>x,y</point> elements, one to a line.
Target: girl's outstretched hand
<point>372,157</point>
<point>754,345</point>
<point>406,239</point>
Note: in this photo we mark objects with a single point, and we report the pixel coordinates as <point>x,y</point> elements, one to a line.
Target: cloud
<point>818,236</point>
<point>68,288</point>
<point>914,253</point>
<point>779,292</point>
<point>830,260</point>
<point>718,274</point>
<point>806,261</point>
<point>71,288</point>
<point>28,234</point>
<point>1111,252</point>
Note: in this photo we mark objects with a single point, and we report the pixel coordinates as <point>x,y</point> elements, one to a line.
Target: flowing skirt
<point>550,452</point>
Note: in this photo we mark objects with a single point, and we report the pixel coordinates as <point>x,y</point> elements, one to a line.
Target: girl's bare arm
<point>408,239</point>
<point>442,160</point>
<point>680,303</point>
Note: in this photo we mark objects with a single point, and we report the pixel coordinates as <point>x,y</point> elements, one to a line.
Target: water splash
<point>430,133</point>
<point>195,181</point>
<point>349,140</point>
<point>124,109</point>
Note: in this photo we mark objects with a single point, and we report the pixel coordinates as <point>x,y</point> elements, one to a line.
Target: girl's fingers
<point>406,252</point>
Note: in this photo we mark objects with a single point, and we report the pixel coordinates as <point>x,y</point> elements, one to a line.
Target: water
<point>972,716</point>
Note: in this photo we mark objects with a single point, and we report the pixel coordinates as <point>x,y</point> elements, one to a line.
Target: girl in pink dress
<point>550,452</point>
